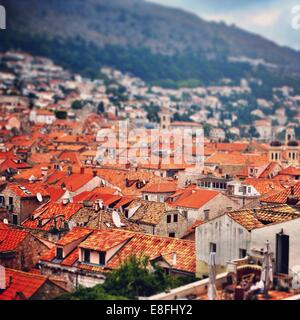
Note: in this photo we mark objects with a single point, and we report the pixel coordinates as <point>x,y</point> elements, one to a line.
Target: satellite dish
<point>116,219</point>
<point>39,197</point>
<point>72,225</point>
<point>5,221</point>
<point>100,203</point>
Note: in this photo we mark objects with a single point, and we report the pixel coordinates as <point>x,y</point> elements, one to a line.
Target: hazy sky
<point>270,18</point>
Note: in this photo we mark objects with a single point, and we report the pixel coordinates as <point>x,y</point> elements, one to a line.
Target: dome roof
<point>275,144</point>
<point>293,144</point>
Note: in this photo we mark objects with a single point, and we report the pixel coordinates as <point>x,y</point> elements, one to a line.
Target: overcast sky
<point>270,18</point>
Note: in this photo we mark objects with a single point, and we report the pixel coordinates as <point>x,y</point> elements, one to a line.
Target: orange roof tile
<point>10,239</point>
<point>135,243</point>
<point>194,198</point>
<point>168,187</point>
<point>21,285</point>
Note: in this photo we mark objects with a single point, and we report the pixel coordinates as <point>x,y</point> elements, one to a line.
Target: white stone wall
<point>228,235</point>
<point>290,228</point>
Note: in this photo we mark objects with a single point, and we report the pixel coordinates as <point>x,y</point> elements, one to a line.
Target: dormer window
<point>102,258</point>
<point>86,255</point>
<point>59,253</point>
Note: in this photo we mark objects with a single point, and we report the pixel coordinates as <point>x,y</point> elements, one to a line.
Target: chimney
<point>70,171</point>
<point>2,278</point>
<point>44,172</point>
<point>292,199</point>
<point>174,258</point>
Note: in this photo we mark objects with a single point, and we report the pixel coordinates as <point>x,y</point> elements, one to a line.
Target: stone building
<point>84,255</point>
<point>287,153</point>
<point>20,200</point>
<point>157,218</point>
<point>19,249</point>
<point>29,286</point>
<point>231,235</point>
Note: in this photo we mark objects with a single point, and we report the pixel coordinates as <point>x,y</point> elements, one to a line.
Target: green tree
<point>77,105</point>
<point>135,277</point>
<point>61,114</point>
<point>253,132</point>
<point>100,108</point>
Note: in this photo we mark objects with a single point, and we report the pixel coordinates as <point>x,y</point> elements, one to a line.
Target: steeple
<point>165,117</point>
<point>290,135</point>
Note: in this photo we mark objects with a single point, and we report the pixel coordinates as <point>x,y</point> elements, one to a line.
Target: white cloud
<point>266,19</point>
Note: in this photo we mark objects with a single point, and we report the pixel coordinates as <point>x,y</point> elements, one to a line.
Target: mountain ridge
<point>132,28</point>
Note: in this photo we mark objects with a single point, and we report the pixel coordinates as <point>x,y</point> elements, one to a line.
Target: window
<point>172,234</point>
<point>206,215</point>
<point>15,219</point>
<point>242,253</point>
<point>126,213</point>
<point>212,247</point>
<point>86,255</point>
<point>10,200</point>
<point>2,201</point>
<point>175,218</point>
<point>146,197</point>
<point>169,218</point>
<point>59,253</point>
<point>102,256</point>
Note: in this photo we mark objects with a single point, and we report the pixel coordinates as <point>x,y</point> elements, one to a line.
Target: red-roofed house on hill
<point>84,256</point>
<point>159,192</point>
<point>52,217</point>
<point>201,204</point>
<point>19,249</point>
<point>20,200</point>
<point>28,286</point>
<point>76,183</point>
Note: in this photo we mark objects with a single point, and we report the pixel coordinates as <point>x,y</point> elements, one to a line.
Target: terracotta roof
<point>106,241</point>
<point>282,196</point>
<point>290,171</point>
<point>194,198</point>
<point>269,169</point>
<point>134,244</point>
<point>21,285</point>
<point>10,239</point>
<point>256,218</point>
<point>265,186</point>
<point>88,217</point>
<point>168,187</point>
<point>28,190</point>
<point>226,146</point>
<point>76,180</point>
<point>148,212</point>
<point>49,212</point>
<point>237,158</point>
